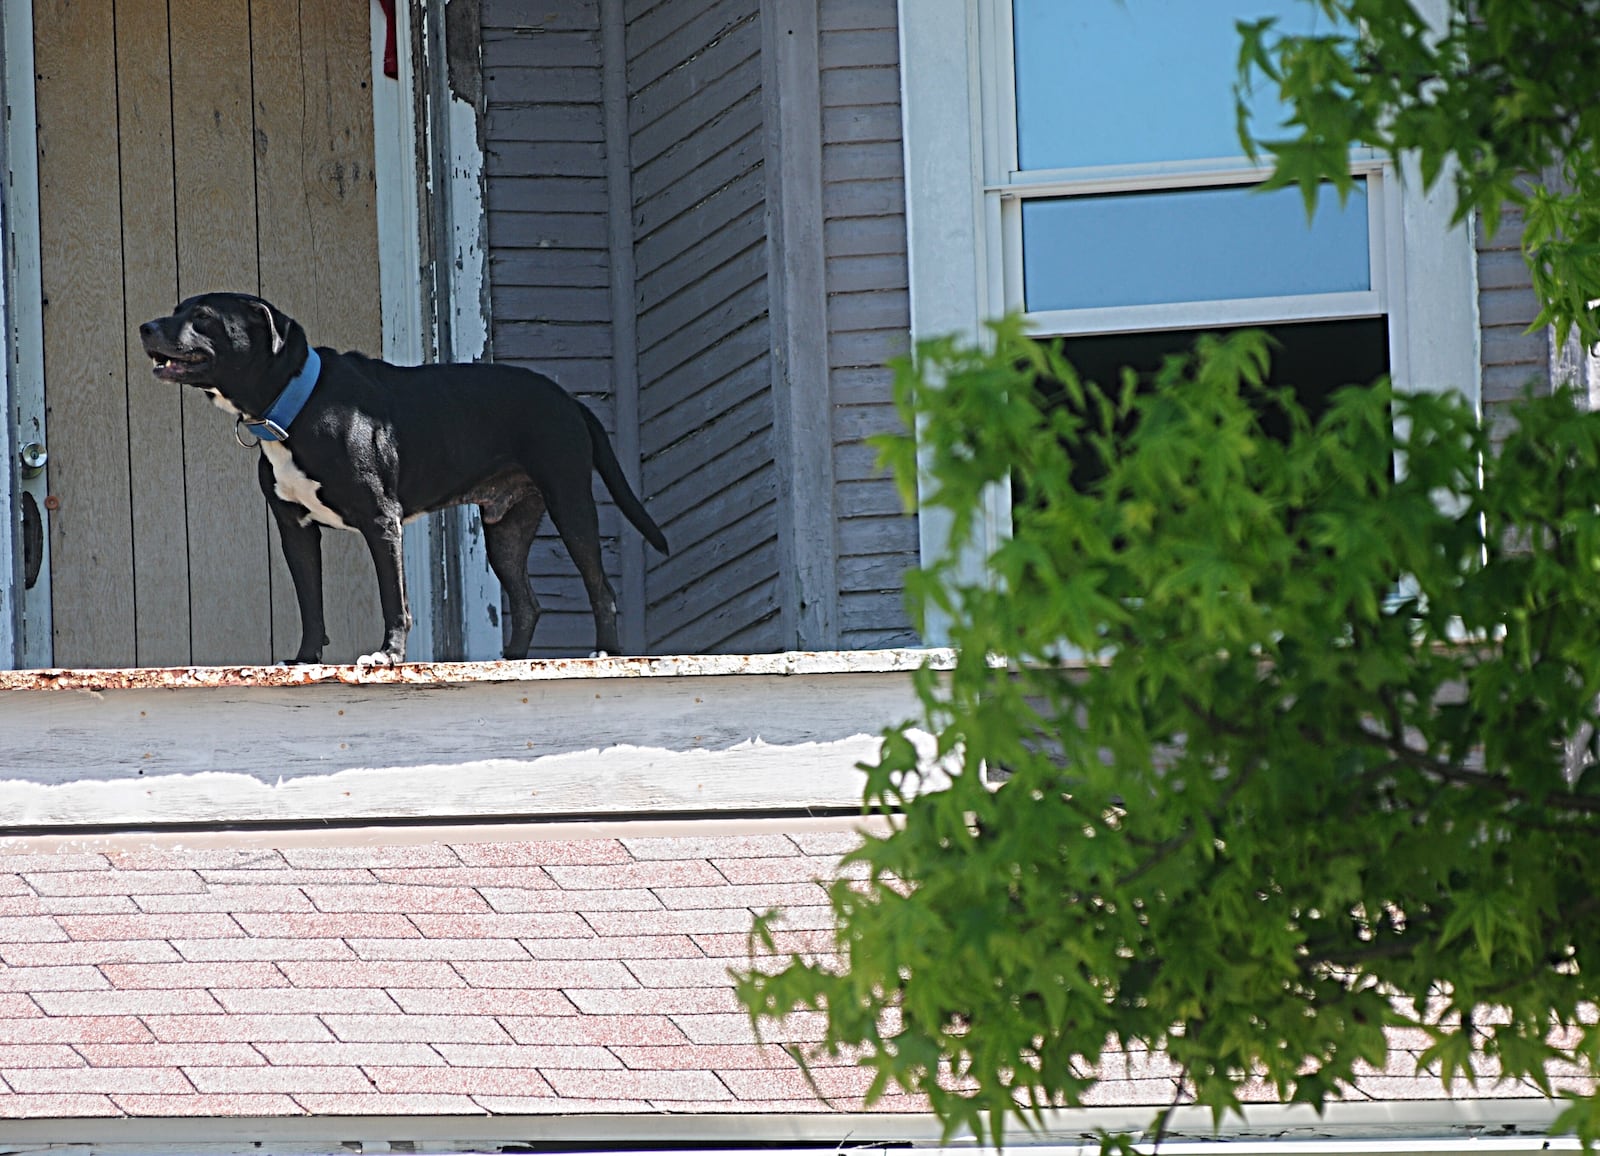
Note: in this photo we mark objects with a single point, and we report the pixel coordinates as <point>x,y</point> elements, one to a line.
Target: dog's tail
<point>610,471</point>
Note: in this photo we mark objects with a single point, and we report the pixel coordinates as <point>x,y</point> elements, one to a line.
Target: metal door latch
<point>33,457</point>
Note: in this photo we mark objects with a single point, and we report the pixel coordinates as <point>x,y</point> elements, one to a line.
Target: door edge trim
<point>26,635</point>
<point>399,174</point>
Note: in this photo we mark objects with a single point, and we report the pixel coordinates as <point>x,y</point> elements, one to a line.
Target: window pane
<point>1213,244</point>
<point>1313,359</point>
<point>1114,82</point>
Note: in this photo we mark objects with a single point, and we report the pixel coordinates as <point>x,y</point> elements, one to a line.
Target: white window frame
<point>1014,190</point>
<point>964,234</point>
<point>1007,182</point>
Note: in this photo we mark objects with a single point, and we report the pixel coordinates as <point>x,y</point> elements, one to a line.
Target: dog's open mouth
<point>174,366</point>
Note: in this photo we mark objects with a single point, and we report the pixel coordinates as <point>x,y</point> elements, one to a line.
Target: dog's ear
<point>279,340</point>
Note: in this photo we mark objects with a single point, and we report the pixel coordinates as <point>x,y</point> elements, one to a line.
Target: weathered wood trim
<point>940,113</point>
<point>463,673</point>
<point>25,636</point>
<point>624,302</point>
<point>942,159</point>
<point>588,738</point>
<point>10,524</point>
<point>802,405</point>
<point>11,572</point>
<point>1572,364</point>
<point>396,159</point>
<point>461,303</point>
<point>1434,328</point>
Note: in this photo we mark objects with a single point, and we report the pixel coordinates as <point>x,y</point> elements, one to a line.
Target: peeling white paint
<point>608,737</point>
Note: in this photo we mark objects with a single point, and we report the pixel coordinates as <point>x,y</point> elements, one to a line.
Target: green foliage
<point>1280,736</point>
<point>1505,94</point>
<point>1260,748</point>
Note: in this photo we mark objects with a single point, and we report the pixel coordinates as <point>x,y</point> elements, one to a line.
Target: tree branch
<point>1559,800</point>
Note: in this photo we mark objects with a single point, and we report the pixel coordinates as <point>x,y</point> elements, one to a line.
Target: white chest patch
<point>293,485</point>
<point>222,403</point>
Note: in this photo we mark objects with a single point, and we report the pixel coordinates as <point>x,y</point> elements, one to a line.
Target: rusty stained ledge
<point>458,673</point>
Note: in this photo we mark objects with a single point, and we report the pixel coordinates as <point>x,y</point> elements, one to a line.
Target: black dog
<point>359,444</point>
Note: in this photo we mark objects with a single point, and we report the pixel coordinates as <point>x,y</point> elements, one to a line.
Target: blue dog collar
<point>273,426</point>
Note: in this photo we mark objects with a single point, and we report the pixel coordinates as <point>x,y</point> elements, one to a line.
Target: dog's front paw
<point>377,658</point>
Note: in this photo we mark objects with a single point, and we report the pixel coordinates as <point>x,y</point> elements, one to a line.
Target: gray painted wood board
<point>884,307</point>
<point>685,343</point>
<point>695,82</point>
<point>727,123</point>
<point>749,418</point>
<point>518,158</point>
<point>549,268</point>
<point>541,121</point>
<point>538,339</point>
<point>552,83</point>
<point>729,467</point>
<point>878,273</point>
<point>739,358</point>
<point>676,422</point>
<point>857,422</point>
<point>871,160</point>
<point>875,496</point>
<point>741,623</point>
<point>834,15</point>
<point>666,111</point>
<point>672,33</point>
<point>728,197</point>
<point>861,123</point>
<point>539,16</point>
<point>864,234</point>
<point>584,304</point>
<point>673,273</point>
<point>669,317</point>
<point>868,348</point>
<point>718,531</point>
<point>549,244</point>
<point>677,196</point>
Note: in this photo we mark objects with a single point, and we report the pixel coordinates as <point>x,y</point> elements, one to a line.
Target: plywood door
<point>186,146</point>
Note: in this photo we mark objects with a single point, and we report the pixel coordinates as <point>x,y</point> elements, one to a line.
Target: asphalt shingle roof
<point>543,976</point>
<point>540,976</point>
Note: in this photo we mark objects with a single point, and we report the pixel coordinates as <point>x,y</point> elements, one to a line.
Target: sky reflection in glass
<point>1116,82</point>
<point>1211,244</point>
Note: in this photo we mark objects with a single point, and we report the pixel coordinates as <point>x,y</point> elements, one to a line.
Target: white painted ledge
<point>458,673</point>
<point>582,738</point>
<point>1475,1127</point>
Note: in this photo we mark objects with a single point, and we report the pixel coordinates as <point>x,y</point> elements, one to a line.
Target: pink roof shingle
<point>578,975</point>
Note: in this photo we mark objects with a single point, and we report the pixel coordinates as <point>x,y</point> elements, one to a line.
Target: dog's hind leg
<point>383,538</point>
<point>574,514</point>
<point>508,539</point>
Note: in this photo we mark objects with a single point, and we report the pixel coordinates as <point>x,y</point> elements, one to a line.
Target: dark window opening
<point>1314,359</point>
